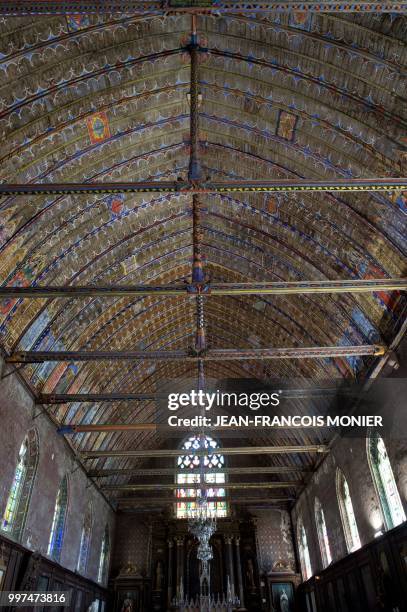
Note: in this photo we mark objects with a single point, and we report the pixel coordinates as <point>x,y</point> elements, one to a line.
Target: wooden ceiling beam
<point>242,186</point>
<point>210,290</point>
<point>236,450</point>
<point>286,394</point>
<point>147,472</point>
<point>66,398</point>
<point>202,487</point>
<point>72,429</point>
<point>300,352</point>
<point>156,501</point>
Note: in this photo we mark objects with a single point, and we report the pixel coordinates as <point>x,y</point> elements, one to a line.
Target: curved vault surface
<point>283,96</point>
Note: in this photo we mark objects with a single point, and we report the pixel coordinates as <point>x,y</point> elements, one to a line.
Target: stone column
<point>239,574</point>
<point>229,562</point>
<point>169,575</point>
<point>180,563</point>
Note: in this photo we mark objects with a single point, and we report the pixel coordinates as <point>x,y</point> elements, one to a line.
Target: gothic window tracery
<point>303,550</point>
<point>385,484</point>
<point>85,540</point>
<point>322,534</point>
<point>20,491</point>
<point>58,522</point>
<point>349,523</point>
<point>188,465</point>
<point>104,558</point>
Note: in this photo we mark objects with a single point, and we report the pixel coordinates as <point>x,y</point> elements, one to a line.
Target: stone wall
<point>350,454</point>
<point>132,543</point>
<point>138,533</point>
<point>274,539</point>
<point>55,460</point>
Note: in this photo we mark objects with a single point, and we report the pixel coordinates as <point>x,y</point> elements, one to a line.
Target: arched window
<point>189,473</point>
<point>385,484</point>
<point>350,527</point>
<point>322,534</point>
<point>56,537</point>
<point>85,540</point>
<point>20,492</point>
<point>305,560</point>
<point>104,557</point>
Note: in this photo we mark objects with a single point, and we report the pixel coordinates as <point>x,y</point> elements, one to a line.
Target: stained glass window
<point>303,550</point>
<point>20,492</point>
<point>85,541</point>
<point>189,473</point>
<point>104,557</point>
<point>350,526</point>
<point>58,522</point>
<point>322,534</point>
<point>384,481</point>
<point>15,490</point>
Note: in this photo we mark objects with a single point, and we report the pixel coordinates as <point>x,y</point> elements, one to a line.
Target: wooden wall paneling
<point>25,570</point>
<point>373,578</point>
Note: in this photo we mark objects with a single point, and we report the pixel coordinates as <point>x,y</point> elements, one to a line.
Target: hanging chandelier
<point>202,525</point>
<point>201,518</point>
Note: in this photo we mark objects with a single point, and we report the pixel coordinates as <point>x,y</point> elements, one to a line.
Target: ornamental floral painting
<point>98,127</point>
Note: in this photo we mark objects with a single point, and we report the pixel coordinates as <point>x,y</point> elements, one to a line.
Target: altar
<point>233,574</point>
<point>131,591</point>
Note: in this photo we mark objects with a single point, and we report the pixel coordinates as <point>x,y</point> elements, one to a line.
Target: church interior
<point>203,195</point>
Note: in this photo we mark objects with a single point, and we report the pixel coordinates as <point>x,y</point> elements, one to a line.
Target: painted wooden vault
<point>282,96</point>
